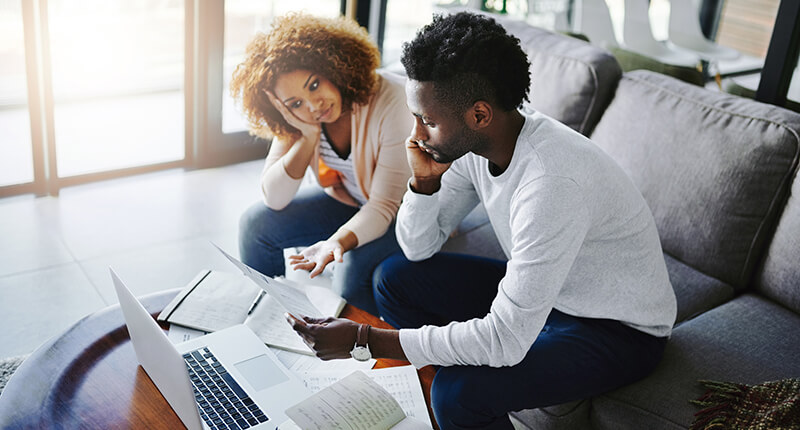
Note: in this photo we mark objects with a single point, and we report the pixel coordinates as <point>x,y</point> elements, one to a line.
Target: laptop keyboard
<point>222,402</point>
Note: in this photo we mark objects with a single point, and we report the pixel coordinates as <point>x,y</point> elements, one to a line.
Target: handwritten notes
<point>355,402</point>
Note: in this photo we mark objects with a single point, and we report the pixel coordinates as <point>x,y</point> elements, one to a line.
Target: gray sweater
<point>578,235</point>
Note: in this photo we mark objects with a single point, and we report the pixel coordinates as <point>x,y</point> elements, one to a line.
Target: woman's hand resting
<point>317,256</point>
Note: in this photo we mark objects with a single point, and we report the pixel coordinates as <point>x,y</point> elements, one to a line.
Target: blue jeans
<point>310,217</point>
<point>572,358</point>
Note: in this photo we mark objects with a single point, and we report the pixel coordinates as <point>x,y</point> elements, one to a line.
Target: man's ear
<point>479,115</point>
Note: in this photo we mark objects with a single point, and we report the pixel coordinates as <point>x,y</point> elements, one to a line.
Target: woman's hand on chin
<point>310,131</point>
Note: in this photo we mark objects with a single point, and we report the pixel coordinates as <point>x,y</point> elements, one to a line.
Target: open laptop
<point>246,384</point>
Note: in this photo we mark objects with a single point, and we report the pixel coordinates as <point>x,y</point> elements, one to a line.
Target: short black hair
<point>469,57</point>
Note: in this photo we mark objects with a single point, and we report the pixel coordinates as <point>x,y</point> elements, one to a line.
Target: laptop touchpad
<point>261,372</point>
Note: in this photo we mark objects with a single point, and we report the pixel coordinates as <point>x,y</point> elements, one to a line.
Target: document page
<point>401,382</point>
<point>293,300</point>
<point>269,324</point>
<point>212,301</point>
<point>300,363</point>
<point>356,402</point>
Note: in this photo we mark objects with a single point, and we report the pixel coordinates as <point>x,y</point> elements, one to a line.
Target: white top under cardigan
<point>578,235</point>
<point>344,166</point>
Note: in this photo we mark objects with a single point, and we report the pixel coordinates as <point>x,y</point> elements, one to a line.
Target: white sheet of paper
<point>268,323</point>
<point>293,300</point>
<point>308,363</point>
<point>178,334</point>
<point>213,309</point>
<point>355,402</point>
<point>401,382</point>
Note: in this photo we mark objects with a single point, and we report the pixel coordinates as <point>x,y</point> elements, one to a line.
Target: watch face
<point>361,353</point>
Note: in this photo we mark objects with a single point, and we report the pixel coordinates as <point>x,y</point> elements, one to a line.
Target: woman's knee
<point>253,220</point>
<point>258,247</point>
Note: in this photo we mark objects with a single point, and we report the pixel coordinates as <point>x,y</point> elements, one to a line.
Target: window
<point>117,78</point>
<point>16,163</point>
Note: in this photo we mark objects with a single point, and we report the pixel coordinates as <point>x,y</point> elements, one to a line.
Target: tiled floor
<point>155,230</point>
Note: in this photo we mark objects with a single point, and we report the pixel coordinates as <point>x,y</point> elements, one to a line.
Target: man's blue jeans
<point>310,217</point>
<point>572,358</point>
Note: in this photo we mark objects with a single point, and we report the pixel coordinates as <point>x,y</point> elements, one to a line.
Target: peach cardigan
<point>379,131</point>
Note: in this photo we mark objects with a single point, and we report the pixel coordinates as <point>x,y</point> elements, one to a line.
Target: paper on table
<point>355,402</point>
<point>401,382</point>
<point>307,363</point>
<point>293,300</point>
<point>179,334</point>
<point>269,324</point>
<point>230,298</point>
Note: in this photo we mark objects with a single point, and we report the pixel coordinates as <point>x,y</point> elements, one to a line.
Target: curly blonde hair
<point>336,48</point>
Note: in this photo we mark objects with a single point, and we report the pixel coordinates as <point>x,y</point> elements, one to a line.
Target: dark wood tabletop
<point>88,377</point>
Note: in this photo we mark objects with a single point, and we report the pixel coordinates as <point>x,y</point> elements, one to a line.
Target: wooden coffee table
<point>89,377</point>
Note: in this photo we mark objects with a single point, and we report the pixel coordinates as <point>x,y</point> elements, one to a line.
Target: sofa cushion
<point>475,236</point>
<point>714,168</point>
<point>571,80</point>
<point>747,340</point>
<point>696,292</point>
<point>779,279</point>
<point>572,415</point>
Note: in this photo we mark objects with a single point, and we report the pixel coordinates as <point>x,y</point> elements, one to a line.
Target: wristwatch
<point>361,350</point>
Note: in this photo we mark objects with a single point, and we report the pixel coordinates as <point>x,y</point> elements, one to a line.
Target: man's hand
<point>426,173</point>
<point>330,338</point>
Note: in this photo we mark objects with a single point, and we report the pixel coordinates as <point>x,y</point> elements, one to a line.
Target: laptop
<point>224,380</point>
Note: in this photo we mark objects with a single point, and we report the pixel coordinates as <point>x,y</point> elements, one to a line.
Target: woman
<point>312,84</point>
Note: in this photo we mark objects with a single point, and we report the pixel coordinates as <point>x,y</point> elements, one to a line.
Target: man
<point>583,305</point>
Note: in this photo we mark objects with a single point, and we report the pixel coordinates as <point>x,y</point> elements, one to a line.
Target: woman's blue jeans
<point>310,217</point>
<point>572,358</point>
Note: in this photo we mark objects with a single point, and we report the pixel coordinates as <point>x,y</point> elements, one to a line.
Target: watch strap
<point>362,337</point>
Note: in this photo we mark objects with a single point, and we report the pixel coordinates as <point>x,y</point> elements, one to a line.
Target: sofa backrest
<point>714,168</point>
<point>779,278</point>
<point>571,80</point>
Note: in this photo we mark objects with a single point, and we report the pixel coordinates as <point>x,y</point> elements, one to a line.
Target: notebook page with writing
<point>402,382</point>
<point>355,402</point>
<point>212,301</point>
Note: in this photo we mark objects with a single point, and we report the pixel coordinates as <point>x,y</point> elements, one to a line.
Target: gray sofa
<point>720,175</point>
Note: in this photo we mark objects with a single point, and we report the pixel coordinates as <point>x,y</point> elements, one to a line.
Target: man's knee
<point>389,273</point>
<point>457,399</point>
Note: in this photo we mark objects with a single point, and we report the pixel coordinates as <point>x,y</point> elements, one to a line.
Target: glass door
<point>116,71</point>
<point>16,145</point>
<point>95,89</point>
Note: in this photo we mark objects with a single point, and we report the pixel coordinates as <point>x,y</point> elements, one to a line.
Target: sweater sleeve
<point>393,122</point>
<point>424,223</point>
<point>277,187</point>
<point>549,221</point>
